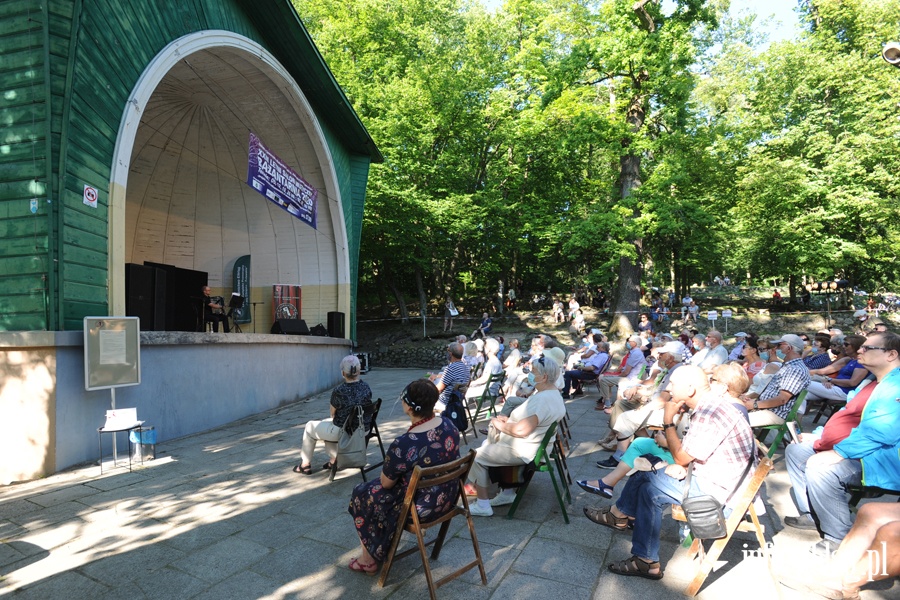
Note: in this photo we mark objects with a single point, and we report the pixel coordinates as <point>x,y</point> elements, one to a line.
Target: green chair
<point>487,400</point>
<point>763,430</point>
<point>543,461</point>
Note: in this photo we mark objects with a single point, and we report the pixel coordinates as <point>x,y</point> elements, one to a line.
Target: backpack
<point>456,412</point>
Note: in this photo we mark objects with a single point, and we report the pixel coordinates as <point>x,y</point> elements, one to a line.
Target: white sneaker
<point>503,498</point>
<point>477,511</point>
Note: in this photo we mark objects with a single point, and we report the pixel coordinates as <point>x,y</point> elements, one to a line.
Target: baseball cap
<point>793,340</point>
<point>672,348</point>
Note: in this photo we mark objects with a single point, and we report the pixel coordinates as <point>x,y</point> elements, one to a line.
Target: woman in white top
<point>515,440</point>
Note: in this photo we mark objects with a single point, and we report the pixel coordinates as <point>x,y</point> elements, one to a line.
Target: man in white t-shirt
<point>716,353</point>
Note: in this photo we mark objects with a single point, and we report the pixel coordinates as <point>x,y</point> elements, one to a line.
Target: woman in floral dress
<point>375,505</point>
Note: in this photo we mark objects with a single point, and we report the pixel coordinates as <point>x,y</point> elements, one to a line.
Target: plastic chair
<point>763,430</point>
<point>543,463</point>
<point>409,521</point>
<point>370,409</point>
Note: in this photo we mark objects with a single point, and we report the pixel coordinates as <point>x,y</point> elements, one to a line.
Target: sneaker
<point>566,397</point>
<point>476,511</point>
<point>823,548</point>
<point>804,521</point>
<point>578,393</point>
<point>503,498</point>
<point>609,463</point>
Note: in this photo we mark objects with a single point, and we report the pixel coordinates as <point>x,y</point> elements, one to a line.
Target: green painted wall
<point>66,72</point>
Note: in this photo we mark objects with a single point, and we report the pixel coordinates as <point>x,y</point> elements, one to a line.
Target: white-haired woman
<point>492,366</point>
<point>344,400</point>
<point>515,440</point>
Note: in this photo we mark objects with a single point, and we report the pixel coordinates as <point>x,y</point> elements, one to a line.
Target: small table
<point>114,429</point>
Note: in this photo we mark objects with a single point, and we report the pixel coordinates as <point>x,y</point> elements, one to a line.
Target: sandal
<point>604,516</point>
<point>328,466</point>
<point>637,567</point>
<point>369,569</point>
<point>303,470</point>
<point>601,489</point>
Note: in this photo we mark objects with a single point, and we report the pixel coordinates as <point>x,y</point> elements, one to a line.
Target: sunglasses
<point>867,348</point>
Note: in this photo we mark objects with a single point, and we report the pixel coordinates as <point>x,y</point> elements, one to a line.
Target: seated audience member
<point>838,351</point>
<point>628,376</point>
<point>471,356</point>
<point>559,313</point>
<point>716,353</point>
<point>515,356</point>
<point>835,389</point>
<point>871,447</point>
<point>344,400</point>
<point>573,307</point>
<point>720,445</point>
<point>492,366</point>
<point>836,348</point>
<point>456,373</point>
<point>818,357</point>
<point>698,343</point>
<point>880,327</point>
<point>514,440</point>
<point>578,324</point>
<point>641,405</point>
<point>767,351</point>
<point>759,381</point>
<point>587,370</point>
<point>773,404</point>
<point>461,338</point>
<point>484,329</point>
<point>636,457</point>
<point>692,312</point>
<point>862,557</point>
<point>645,324</point>
<point>375,505</point>
<point>213,312</point>
<point>753,364</point>
<point>741,341</point>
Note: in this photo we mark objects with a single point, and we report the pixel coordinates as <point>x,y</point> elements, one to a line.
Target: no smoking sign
<point>90,196</point>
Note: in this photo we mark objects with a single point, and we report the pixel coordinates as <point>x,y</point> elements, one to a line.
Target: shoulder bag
<point>352,445</point>
<point>705,515</point>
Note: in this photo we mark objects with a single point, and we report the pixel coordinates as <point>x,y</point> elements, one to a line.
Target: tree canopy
<point>616,143</point>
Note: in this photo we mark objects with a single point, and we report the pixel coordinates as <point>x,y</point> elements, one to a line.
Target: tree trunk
<point>398,295</point>
<point>382,296</point>
<point>629,292</point>
<point>423,299</point>
<point>792,292</point>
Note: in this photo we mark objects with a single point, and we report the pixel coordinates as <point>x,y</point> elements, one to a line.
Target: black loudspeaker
<point>290,327</point>
<point>336,325</point>
<point>145,296</point>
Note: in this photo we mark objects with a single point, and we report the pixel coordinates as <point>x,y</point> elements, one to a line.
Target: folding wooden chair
<point>858,492</point>
<point>763,431</point>
<point>742,506</point>
<point>543,461</point>
<point>409,521</point>
<point>371,409</point>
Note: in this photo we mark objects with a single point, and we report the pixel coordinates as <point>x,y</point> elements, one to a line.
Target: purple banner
<point>269,176</point>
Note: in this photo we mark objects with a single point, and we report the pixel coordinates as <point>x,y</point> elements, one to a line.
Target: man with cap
<point>773,404</point>
<point>741,339</point>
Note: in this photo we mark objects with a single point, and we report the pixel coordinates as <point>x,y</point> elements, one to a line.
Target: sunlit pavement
<point>221,515</point>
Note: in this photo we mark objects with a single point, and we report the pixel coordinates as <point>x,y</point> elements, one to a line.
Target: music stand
<point>236,302</point>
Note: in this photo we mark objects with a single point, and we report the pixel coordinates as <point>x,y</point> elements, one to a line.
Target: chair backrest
<point>492,379</point>
<point>545,442</point>
<point>370,413</point>
<point>436,475</point>
<point>798,400</point>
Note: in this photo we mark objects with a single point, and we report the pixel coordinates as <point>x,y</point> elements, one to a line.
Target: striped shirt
<point>455,372</point>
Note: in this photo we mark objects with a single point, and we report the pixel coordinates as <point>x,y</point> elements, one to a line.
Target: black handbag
<point>705,515</point>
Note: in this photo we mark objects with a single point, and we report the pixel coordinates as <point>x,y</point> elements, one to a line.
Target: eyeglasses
<point>867,348</point>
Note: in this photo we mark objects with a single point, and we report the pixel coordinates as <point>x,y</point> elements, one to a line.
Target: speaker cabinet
<point>290,327</point>
<point>336,325</point>
<point>145,296</point>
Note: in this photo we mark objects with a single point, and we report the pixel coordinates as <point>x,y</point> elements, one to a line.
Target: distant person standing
<point>449,312</point>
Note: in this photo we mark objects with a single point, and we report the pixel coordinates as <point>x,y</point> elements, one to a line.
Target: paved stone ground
<point>221,515</point>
